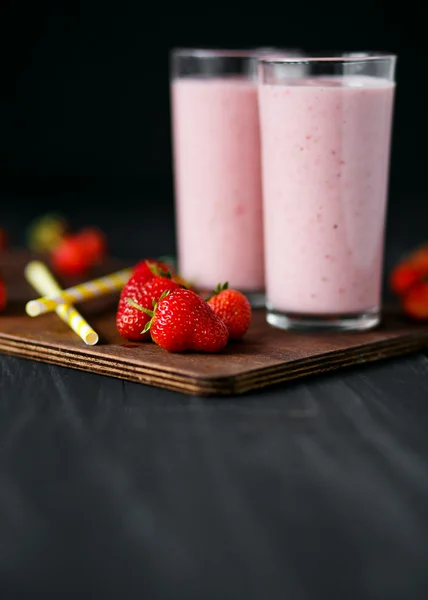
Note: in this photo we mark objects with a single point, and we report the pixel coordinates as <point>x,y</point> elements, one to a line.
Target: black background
<point>84,105</point>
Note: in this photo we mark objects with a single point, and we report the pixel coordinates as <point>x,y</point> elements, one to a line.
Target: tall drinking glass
<point>217,171</point>
<point>325,136</point>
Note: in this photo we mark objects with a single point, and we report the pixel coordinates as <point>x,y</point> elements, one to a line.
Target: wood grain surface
<point>267,355</point>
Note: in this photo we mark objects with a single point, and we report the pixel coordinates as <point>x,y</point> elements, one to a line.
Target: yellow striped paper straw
<point>84,291</point>
<point>42,280</point>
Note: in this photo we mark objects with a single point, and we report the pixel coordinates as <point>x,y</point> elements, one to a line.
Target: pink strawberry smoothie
<point>216,147</point>
<point>325,149</point>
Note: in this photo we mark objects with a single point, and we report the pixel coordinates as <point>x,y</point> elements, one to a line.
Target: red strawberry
<point>415,302</point>
<point>70,258</point>
<point>148,265</point>
<point>3,296</point>
<point>94,243</point>
<point>403,276</point>
<point>182,320</point>
<point>156,267</point>
<point>145,292</point>
<point>146,270</point>
<point>233,308</point>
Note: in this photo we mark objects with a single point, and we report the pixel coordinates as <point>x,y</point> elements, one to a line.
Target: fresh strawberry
<point>182,320</point>
<point>3,295</point>
<point>411,269</point>
<point>94,243</point>
<point>233,308</point>
<point>150,265</point>
<point>145,292</point>
<point>70,258</point>
<point>415,302</point>
<point>403,276</point>
<point>156,267</point>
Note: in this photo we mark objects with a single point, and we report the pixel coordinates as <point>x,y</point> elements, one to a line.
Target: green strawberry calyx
<point>220,288</point>
<point>150,313</point>
<point>158,271</point>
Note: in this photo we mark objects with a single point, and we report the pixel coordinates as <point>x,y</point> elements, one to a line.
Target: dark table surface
<point>317,489</point>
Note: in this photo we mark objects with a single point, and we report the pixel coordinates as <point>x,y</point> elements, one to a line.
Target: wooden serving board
<point>267,356</point>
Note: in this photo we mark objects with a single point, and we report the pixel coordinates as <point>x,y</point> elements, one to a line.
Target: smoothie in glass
<point>217,170</point>
<point>325,149</point>
<point>216,142</point>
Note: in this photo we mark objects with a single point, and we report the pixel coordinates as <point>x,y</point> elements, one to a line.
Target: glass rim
<point>330,57</point>
<point>228,52</point>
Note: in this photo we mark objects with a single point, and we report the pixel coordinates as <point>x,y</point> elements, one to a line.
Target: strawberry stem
<point>141,308</point>
<point>164,294</point>
<point>146,311</point>
<point>147,326</point>
<point>157,271</point>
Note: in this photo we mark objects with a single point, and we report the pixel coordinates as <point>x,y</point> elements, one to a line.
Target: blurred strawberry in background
<point>77,253</point>
<point>409,282</point>
<point>93,241</point>
<point>69,258</point>
<point>70,253</point>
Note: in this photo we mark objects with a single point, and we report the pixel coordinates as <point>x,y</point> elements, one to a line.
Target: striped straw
<point>42,280</point>
<point>84,291</point>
